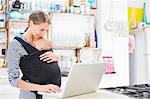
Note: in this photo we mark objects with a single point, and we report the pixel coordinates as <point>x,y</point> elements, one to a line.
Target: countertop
<point>99,94</point>
<point>8,92</point>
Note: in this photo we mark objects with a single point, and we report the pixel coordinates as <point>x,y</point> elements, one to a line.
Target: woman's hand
<point>49,88</point>
<point>49,57</point>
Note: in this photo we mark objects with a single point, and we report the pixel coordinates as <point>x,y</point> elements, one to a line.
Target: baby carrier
<point>35,70</point>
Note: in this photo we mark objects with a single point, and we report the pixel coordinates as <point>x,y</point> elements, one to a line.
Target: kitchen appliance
<point>140,91</point>
<point>139,60</point>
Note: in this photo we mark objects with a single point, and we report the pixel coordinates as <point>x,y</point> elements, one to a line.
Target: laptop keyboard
<point>64,74</point>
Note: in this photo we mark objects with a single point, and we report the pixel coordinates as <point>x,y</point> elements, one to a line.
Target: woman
<point>20,48</point>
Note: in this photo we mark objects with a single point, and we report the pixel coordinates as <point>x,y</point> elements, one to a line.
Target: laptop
<point>83,78</point>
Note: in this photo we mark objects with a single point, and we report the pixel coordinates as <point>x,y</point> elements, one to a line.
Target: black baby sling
<point>35,70</point>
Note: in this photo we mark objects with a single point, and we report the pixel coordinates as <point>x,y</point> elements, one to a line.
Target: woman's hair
<point>38,17</point>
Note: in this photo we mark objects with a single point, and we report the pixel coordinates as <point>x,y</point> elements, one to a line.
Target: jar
<point>2,62</point>
<point>87,40</point>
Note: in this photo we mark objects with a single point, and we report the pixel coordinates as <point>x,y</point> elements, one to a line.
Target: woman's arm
<point>35,87</point>
<point>15,51</point>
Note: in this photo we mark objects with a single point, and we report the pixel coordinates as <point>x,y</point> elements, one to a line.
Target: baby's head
<point>43,44</point>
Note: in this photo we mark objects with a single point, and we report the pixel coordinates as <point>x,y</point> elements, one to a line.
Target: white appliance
<point>147,53</point>
<point>140,59</point>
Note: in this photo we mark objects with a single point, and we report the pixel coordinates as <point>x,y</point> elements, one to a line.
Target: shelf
<point>147,26</point>
<point>65,48</point>
<point>71,13</point>
<point>2,42</point>
<point>73,48</point>
<point>141,29</point>
<point>2,30</point>
<point>18,20</point>
<point>2,56</point>
<point>27,11</point>
<point>1,12</point>
<point>20,10</point>
<point>91,48</point>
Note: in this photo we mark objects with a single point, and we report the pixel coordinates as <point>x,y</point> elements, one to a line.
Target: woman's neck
<point>29,37</point>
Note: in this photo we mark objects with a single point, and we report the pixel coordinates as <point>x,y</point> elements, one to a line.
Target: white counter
<point>3,76</point>
<point>100,94</point>
<point>12,93</point>
<point>8,92</point>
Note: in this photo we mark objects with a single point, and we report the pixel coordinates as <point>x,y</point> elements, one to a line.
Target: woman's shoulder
<point>16,46</point>
<point>14,43</point>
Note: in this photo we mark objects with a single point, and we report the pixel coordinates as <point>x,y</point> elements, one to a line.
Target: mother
<point>38,26</point>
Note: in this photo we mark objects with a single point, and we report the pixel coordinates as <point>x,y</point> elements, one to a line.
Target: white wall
<point>114,43</point>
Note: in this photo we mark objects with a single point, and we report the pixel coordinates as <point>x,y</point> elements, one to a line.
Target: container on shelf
<point>1,22</point>
<point>2,62</point>
<point>87,40</point>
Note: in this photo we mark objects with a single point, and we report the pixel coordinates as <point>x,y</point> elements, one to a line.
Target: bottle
<point>87,40</point>
<point>1,22</point>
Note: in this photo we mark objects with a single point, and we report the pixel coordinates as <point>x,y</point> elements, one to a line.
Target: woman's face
<point>39,31</point>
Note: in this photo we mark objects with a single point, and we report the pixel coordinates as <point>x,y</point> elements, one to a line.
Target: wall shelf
<point>2,30</point>
<point>71,13</point>
<point>65,48</point>
<point>74,48</point>
<point>20,10</point>
<point>18,20</point>
<point>2,42</point>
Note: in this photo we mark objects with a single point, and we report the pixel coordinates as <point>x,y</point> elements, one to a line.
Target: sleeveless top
<point>35,70</point>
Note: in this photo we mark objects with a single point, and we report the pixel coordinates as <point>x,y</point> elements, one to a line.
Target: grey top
<point>14,53</point>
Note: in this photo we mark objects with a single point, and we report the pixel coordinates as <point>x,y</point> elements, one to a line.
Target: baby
<point>43,44</point>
